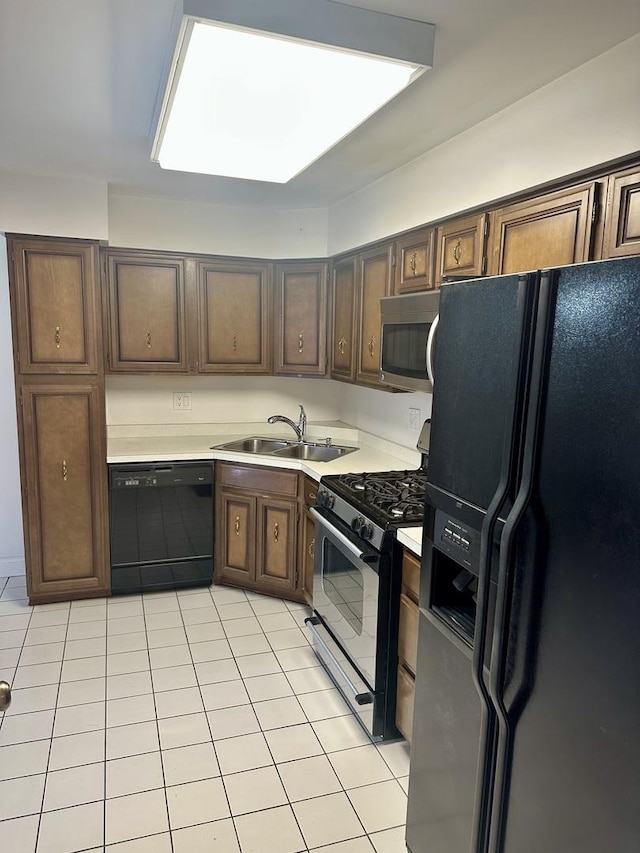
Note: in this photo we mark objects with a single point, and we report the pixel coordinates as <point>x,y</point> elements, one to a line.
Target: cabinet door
<point>301,319</point>
<point>414,261</point>
<point>276,563</point>
<point>622,223</point>
<point>307,554</point>
<point>56,306</point>
<point>461,247</point>
<point>64,449</point>
<point>374,283</point>
<point>546,232</point>
<point>234,317</point>
<point>343,350</point>
<point>235,538</point>
<point>146,313</point>
<point>405,702</point>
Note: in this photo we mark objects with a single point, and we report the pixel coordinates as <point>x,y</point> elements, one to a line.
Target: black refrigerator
<point>526,731</point>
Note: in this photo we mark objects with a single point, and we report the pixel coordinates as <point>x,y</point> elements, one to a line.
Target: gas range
<point>375,505</point>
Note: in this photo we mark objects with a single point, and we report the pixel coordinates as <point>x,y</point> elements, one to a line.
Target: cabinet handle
<point>237,525</point>
<point>58,338</point>
<point>372,344</point>
<point>276,531</point>
<point>342,343</point>
<point>149,340</point>
<point>300,343</point>
<point>235,342</point>
<point>457,252</point>
<point>312,548</point>
<point>313,496</point>
<point>65,470</point>
<point>413,263</point>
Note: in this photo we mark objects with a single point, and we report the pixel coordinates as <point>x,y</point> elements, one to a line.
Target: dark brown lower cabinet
<point>308,539</point>
<point>63,448</point>
<point>257,516</point>
<point>407,643</point>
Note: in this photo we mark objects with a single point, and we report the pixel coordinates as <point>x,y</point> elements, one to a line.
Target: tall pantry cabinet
<point>59,372</point>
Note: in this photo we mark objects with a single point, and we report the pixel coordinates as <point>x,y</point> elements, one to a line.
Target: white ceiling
<point>79,81</point>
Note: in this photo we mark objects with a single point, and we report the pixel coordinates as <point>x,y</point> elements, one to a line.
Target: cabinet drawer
<point>411,576</point>
<point>408,633</point>
<point>406,691</point>
<point>310,491</point>
<point>260,480</point>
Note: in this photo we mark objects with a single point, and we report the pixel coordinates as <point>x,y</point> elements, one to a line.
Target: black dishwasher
<point>161,526</point>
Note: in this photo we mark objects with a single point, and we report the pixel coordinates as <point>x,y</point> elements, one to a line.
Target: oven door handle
<point>361,698</point>
<point>344,540</point>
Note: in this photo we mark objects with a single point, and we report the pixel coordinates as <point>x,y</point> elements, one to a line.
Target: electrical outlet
<point>414,419</point>
<point>182,401</point>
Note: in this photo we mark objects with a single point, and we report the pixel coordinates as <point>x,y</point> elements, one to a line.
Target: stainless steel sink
<point>253,445</point>
<point>314,452</point>
<point>286,449</point>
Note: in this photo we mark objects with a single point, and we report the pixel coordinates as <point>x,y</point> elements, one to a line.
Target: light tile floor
<point>189,722</point>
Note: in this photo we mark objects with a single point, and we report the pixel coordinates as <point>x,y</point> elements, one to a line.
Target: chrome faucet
<point>298,428</point>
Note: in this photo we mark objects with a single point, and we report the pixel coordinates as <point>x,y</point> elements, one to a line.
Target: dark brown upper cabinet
<point>548,231</point>
<point>301,318</point>
<point>461,247</point>
<point>234,317</point>
<point>374,282</point>
<point>622,221</point>
<point>343,322</point>
<point>147,313</point>
<point>55,306</point>
<point>414,268</point>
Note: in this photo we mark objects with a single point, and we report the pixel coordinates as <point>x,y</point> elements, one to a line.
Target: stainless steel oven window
<point>345,596</point>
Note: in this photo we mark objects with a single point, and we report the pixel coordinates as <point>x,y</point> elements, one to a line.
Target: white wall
<point>584,118</point>
<point>218,399</point>
<point>384,414</point>
<point>11,543</point>
<point>53,206</point>
<point>189,226</point>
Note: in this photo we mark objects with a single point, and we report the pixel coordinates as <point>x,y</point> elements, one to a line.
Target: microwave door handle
<point>430,342</point>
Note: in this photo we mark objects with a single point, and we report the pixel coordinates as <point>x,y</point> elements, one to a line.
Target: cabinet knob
<point>58,337</point>
<point>457,252</point>
<point>371,347</point>
<point>276,531</point>
<point>342,343</point>
<point>235,342</point>
<point>5,696</point>
<point>65,470</point>
<point>413,263</point>
<point>312,548</point>
<point>300,343</point>
<point>237,525</point>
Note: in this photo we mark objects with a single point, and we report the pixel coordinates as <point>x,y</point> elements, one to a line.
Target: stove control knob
<point>357,524</point>
<point>366,531</point>
<point>326,500</point>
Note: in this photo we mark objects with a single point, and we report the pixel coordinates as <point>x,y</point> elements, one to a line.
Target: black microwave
<point>409,326</point>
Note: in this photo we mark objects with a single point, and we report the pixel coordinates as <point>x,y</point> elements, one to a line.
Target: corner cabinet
<point>56,306</point>
<point>374,282</point>
<point>234,314</point>
<point>301,319</point>
<point>147,330</point>
<point>343,319</point>
<point>622,222</point>
<point>59,377</point>
<point>257,515</point>
<point>548,231</point>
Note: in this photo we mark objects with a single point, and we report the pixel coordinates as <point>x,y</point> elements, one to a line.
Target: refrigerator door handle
<point>501,625</point>
<point>430,342</point>
<point>482,816</point>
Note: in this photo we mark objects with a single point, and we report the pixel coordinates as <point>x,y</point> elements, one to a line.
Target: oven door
<point>346,594</point>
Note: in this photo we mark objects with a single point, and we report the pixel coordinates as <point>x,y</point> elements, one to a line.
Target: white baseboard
<point>10,566</point>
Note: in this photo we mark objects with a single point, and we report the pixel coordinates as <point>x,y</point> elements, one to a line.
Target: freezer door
<point>479,340</point>
<point>568,775</point>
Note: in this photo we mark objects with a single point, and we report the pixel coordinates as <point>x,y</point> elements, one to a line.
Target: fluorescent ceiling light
<point>248,104</point>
